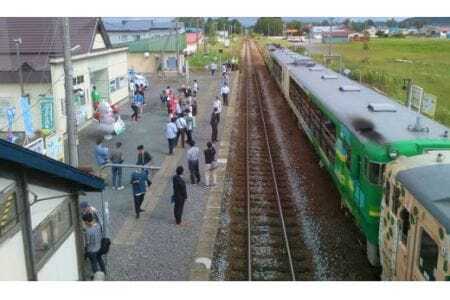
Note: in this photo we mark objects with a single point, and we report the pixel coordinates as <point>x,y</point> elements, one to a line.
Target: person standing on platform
<point>217,105</point>
<point>179,194</point>
<point>225,90</point>
<point>138,179</point>
<point>93,242</point>
<point>214,122</point>
<point>213,68</point>
<point>193,157</point>
<point>143,159</point>
<point>116,157</point>
<point>210,164</point>
<point>95,97</point>
<point>101,156</point>
<point>189,126</point>
<point>171,134</point>
<point>195,88</point>
<point>181,125</point>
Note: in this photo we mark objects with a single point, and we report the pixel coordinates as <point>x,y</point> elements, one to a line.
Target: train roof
<point>349,101</point>
<point>429,184</point>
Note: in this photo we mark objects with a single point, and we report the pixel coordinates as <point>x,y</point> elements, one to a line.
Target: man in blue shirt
<point>101,156</point>
<point>138,181</point>
<point>171,134</point>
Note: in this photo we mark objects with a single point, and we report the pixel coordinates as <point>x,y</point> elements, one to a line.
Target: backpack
<point>104,246</point>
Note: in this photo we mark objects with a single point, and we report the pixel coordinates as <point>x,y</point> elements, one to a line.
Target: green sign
<point>47,114</point>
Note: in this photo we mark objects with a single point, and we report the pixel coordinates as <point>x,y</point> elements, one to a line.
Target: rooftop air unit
<point>381,107</point>
<point>329,76</point>
<point>349,88</point>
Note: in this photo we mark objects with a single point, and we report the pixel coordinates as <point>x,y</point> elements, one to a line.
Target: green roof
<point>158,44</point>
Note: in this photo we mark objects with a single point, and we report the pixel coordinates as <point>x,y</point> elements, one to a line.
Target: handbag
<point>119,126</point>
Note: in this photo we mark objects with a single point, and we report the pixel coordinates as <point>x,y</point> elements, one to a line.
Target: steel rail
<point>258,89</point>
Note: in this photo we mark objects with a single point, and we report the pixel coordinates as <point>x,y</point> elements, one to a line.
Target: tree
<point>325,23</point>
<point>391,23</point>
<point>370,23</point>
<point>191,21</point>
<point>269,26</point>
<point>347,23</point>
<point>357,26</point>
<point>297,25</point>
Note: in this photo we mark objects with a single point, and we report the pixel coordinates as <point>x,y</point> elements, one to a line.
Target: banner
<point>47,114</point>
<point>26,115</point>
<point>415,97</point>
<point>10,114</point>
<point>37,146</point>
<point>54,147</point>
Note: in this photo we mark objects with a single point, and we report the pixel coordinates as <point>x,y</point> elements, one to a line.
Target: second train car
<point>355,131</point>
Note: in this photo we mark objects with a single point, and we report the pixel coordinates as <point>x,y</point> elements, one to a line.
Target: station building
<point>38,120</point>
<point>40,233</point>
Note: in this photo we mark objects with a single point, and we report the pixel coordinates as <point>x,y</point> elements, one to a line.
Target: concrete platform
<point>152,247</point>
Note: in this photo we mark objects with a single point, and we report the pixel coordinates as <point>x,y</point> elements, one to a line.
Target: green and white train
<point>355,130</point>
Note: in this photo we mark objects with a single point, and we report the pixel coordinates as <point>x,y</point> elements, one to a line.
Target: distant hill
<point>433,21</point>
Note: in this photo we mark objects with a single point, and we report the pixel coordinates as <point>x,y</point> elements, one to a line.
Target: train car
<point>355,130</point>
<point>415,218</point>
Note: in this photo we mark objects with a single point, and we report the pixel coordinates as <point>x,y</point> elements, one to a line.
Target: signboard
<point>47,113</point>
<point>54,147</point>
<point>415,97</point>
<point>37,146</point>
<point>429,103</point>
<point>26,116</point>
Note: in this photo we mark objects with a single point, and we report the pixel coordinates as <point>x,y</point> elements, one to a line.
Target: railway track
<point>268,251</point>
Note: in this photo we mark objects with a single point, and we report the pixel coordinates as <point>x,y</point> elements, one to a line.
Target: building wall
<point>113,66</point>
<point>9,96</point>
<point>142,64</point>
<point>63,264</point>
<point>12,259</point>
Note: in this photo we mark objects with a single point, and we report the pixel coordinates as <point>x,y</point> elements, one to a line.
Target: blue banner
<point>26,115</point>
<point>10,114</point>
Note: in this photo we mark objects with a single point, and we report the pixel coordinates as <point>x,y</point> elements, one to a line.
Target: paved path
<point>152,247</point>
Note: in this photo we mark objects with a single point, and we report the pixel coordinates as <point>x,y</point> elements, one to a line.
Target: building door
<point>172,63</point>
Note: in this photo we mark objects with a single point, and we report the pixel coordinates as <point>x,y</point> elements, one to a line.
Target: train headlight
<point>393,154</point>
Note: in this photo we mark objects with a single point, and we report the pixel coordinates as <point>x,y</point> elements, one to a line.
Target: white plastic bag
<point>119,126</point>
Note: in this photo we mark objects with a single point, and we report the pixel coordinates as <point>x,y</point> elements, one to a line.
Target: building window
<point>50,233</point>
<point>9,217</point>
<point>375,172</point>
<point>78,79</point>
<point>428,258</point>
<point>112,86</point>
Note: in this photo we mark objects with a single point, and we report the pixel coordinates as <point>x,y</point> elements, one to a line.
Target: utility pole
<point>178,47</point>
<point>18,42</point>
<point>196,34</point>
<point>72,134</point>
<point>329,37</point>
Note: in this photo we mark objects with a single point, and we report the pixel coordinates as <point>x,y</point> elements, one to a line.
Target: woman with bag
<point>210,164</point>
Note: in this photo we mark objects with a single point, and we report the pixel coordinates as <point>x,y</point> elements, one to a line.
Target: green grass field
<point>388,61</point>
<point>200,59</point>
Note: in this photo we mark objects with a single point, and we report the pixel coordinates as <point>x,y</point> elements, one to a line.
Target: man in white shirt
<point>213,69</point>
<point>171,134</point>
<point>218,104</point>
<point>195,88</point>
<point>224,69</point>
<point>225,90</point>
<point>181,126</point>
<point>193,156</point>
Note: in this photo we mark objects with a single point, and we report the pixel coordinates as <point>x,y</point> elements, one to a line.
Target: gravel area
<point>162,251</point>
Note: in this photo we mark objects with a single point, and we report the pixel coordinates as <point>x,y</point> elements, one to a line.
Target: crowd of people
<point>182,112</point>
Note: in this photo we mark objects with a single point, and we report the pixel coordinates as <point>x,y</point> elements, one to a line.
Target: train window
<point>428,257</point>
<point>405,225</point>
<point>375,172</point>
<point>387,192</point>
<point>396,199</point>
